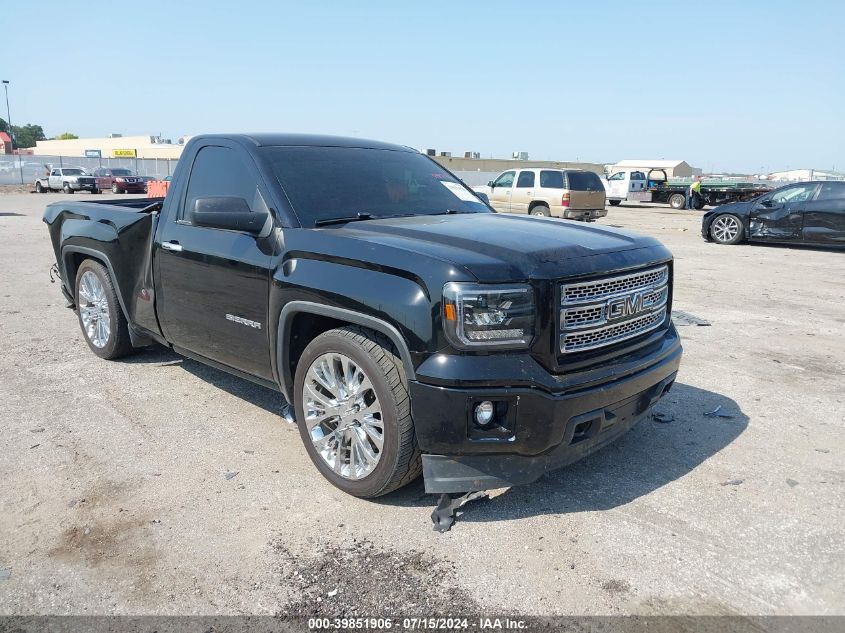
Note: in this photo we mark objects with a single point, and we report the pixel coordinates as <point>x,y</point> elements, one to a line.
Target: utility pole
<point>8,113</point>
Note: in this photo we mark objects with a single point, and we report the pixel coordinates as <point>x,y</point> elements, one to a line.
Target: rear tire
<point>100,316</point>
<point>383,388</point>
<point>541,210</point>
<point>727,229</point>
<point>614,203</point>
<point>677,201</point>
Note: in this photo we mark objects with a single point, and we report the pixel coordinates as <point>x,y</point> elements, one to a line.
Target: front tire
<point>100,316</point>
<point>726,229</point>
<point>677,201</point>
<point>66,188</point>
<point>38,187</point>
<point>114,188</point>
<point>354,413</point>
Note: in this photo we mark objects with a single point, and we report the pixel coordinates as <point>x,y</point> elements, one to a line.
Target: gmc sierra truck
<point>412,328</point>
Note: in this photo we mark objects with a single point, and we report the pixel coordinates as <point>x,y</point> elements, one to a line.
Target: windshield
<point>73,172</point>
<point>121,172</point>
<point>324,183</point>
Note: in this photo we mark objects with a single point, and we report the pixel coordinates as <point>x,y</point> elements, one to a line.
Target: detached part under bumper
<point>571,425</point>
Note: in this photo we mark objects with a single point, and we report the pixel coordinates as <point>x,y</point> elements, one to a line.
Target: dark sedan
<point>806,212</point>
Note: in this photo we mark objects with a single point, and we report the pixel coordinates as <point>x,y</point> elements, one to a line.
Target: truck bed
<point>717,185</point>
<point>118,233</point>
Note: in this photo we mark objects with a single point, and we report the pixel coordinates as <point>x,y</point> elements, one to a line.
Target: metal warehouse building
<point>674,168</point>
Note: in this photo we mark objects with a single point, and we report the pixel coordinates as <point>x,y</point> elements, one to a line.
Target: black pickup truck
<point>412,328</point>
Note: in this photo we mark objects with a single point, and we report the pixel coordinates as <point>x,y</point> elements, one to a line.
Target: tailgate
<point>586,190</point>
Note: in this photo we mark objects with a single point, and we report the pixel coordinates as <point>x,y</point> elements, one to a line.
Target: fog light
<point>484,413</point>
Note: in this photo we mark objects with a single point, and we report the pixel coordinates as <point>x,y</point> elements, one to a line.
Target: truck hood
<point>503,248</point>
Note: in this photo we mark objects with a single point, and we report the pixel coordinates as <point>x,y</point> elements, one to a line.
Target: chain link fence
<point>23,170</point>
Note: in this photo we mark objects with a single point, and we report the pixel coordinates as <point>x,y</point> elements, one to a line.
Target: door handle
<point>172,246</point>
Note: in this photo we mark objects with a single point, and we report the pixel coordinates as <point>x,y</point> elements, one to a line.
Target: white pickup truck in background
<point>629,185</point>
<point>68,179</point>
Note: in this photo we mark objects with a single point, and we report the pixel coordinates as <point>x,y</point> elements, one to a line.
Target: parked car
<point>68,179</point>
<point>563,193</point>
<point>808,212</point>
<point>147,180</point>
<point>412,329</point>
<point>119,180</point>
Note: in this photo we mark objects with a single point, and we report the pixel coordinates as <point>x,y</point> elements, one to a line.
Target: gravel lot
<point>118,493</point>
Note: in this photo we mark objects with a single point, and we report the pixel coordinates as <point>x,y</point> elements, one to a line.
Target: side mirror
<point>767,203</point>
<point>491,184</point>
<point>229,213</point>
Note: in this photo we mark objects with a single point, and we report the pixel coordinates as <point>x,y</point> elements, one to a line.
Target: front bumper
<point>547,430</point>
<point>76,186</point>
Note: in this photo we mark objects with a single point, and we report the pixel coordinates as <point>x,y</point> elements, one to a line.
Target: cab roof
<point>313,140</point>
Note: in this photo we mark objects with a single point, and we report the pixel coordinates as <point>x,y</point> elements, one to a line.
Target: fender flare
<point>137,339</point>
<point>293,308</point>
<point>100,256</point>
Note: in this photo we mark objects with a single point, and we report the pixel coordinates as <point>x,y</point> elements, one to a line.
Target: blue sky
<point>741,86</point>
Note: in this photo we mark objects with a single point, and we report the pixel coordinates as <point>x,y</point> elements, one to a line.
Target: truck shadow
<point>645,459</point>
<point>263,397</point>
<point>648,457</point>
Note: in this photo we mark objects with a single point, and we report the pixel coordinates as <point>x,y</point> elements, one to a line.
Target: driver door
<point>213,285</point>
<point>501,191</point>
<point>617,185</point>
<point>779,216</point>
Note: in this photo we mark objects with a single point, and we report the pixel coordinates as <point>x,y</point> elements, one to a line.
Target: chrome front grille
<point>605,311</point>
<point>603,288</point>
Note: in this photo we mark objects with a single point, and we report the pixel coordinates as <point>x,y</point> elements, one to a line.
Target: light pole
<point>8,114</point>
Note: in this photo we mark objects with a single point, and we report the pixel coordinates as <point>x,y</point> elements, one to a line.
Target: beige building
<point>116,147</point>
<point>674,168</point>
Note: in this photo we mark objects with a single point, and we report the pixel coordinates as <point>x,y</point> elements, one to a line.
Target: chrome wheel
<point>343,415</point>
<point>725,228</point>
<point>94,309</point>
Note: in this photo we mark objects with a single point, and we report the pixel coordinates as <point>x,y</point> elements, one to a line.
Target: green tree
<point>27,135</point>
<point>4,127</point>
<point>67,136</point>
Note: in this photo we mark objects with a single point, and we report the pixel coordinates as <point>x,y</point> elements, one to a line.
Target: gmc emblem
<point>625,306</point>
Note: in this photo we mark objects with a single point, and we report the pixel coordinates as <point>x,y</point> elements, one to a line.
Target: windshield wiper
<point>352,218</point>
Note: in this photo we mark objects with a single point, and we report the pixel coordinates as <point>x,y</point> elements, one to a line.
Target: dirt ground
<point>156,485</point>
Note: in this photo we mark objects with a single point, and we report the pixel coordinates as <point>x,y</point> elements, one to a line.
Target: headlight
<point>478,315</point>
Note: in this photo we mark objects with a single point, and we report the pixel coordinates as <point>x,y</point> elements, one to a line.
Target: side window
<point>551,179</point>
<point>219,171</point>
<point>832,191</point>
<point>619,175</point>
<point>525,180</point>
<point>55,172</point>
<point>505,180</point>
<point>637,175</point>
<point>798,193</point>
